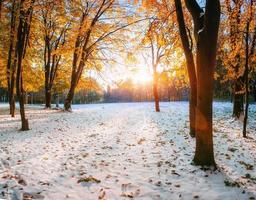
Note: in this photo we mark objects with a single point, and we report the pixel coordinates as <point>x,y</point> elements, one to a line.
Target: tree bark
<point>246,72</point>
<point>246,79</point>
<point>22,41</point>
<point>204,138</point>
<point>69,98</point>
<point>235,38</point>
<point>155,92</point>
<point>206,26</point>
<point>47,65</point>
<point>48,97</point>
<point>11,67</point>
<point>190,67</point>
<point>238,100</point>
<point>12,85</point>
<point>51,60</point>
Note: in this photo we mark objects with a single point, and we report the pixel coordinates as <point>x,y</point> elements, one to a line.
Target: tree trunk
<point>48,97</point>
<point>22,41</point>
<point>11,67</point>
<point>11,91</point>
<point>12,105</point>
<point>155,92</point>
<point>69,98</point>
<point>246,72</point>
<point>235,37</point>
<point>190,67</point>
<point>238,101</point>
<point>206,26</point>
<point>204,139</point>
<point>192,109</point>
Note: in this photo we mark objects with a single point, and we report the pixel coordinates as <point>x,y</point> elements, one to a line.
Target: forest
<point>127,99</point>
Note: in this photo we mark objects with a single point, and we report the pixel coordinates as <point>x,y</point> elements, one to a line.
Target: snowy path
<point>133,152</point>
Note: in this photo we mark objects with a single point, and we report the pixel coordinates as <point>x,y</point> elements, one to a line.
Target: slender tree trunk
<point>11,91</point>
<point>10,77</point>
<point>47,64</point>
<point>22,41</point>
<point>246,88</point>
<point>11,67</point>
<point>12,86</point>
<point>246,72</point>
<point>192,109</point>
<point>235,37</point>
<point>21,94</point>
<point>12,105</point>
<point>190,67</point>
<point>238,101</point>
<point>155,92</point>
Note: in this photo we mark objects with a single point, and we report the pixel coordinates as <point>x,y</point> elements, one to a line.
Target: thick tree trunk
<point>69,98</point>
<point>155,92</point>
<point>206,37</point>
<point>204,139</point>
<point>48,97</point>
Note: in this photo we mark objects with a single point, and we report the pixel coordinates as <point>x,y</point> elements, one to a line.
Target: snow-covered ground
<point>123,151</point>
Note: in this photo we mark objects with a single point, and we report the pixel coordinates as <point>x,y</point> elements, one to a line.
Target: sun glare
<point>142,76</point>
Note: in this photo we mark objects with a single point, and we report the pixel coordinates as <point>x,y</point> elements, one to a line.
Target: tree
<point>206,25</point>
<point>235,55</point>
<point>25,18</point>
<point>55,27</point>
<point>159,45</point>
<point>188,48</point>
<point>95,26</point>
<point>12,62</point>
<point>249,51</point>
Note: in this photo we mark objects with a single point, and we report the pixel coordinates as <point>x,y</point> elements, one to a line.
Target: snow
<point>133,152</point>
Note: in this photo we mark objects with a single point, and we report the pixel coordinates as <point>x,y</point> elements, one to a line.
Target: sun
<point>142,76</point>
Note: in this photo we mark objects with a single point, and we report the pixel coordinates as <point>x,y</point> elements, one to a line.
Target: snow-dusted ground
<point>127,151</point>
